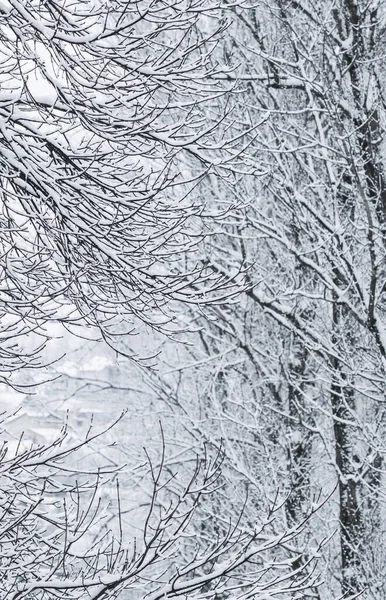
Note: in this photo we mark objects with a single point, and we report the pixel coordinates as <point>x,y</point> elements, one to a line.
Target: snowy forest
<point>192,299</point>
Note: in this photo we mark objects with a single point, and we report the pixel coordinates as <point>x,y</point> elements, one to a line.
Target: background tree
<point>292,377</point>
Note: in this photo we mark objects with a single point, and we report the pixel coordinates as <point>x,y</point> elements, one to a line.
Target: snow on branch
<point>60,536</point>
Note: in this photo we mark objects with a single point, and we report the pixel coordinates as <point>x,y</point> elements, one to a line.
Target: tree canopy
<point>109,121</point>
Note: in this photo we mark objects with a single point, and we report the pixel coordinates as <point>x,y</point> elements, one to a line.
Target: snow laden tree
<point>59,538</point>
<point>108,121</point>
<point>292,378</point>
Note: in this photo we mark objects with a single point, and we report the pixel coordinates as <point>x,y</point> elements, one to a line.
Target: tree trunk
<point>350,518</point>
